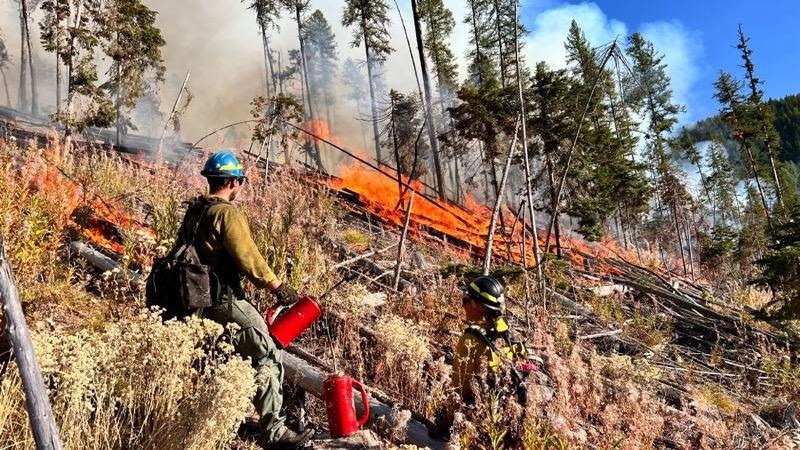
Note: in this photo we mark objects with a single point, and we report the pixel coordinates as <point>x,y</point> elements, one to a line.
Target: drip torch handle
<point>364,402</point>
<point>272,313</point>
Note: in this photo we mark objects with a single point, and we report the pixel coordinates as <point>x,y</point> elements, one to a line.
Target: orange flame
<point>99,229</point>
<point>321,130</point>
<point>466,227</point>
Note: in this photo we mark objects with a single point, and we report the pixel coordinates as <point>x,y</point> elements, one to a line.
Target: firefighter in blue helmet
<point>223,241</point>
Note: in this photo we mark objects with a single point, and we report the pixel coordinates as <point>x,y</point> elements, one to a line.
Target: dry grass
<point>126,381</point>
<point>751,296</point>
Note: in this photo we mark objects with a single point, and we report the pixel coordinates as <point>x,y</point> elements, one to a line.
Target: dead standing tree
<point>43,424</point>
<point>437,163</point>
<point>487,260</point>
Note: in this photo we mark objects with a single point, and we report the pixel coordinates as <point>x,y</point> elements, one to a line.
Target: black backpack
<point>179,283</point>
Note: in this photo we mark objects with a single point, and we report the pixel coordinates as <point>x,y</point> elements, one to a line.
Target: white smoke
<point>219,43</point>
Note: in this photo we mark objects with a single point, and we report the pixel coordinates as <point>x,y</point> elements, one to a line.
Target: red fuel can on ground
<point>338,394</point>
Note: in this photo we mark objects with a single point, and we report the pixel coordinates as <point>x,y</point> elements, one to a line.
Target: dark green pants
<point>253,341</point>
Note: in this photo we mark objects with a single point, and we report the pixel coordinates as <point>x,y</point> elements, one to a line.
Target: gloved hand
<point>285,294</point>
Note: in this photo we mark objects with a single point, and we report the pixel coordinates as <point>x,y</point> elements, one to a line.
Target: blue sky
<point>701,34</point>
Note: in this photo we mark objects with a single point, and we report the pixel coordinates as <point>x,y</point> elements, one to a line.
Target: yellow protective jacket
<point>224,242</point>
<point>473,353</point>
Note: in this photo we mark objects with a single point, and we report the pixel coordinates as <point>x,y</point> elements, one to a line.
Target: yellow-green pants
<point>253,341</point>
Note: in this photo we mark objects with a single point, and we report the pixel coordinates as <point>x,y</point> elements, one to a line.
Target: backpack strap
<point>481,334</point>
<point>193,233</point>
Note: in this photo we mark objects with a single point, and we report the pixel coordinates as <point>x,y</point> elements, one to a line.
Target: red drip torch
<point>286,325</point>
<point>338,394</point>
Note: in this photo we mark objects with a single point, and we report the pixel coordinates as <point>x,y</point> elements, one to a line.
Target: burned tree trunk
<point>402,245</point>
<point>528,188</point>
<point>5,85</point>
<point>304,74</point>
<point>70,69</point>
<point>22,91</point>
<point>27,37</point>
<point>40,414</point>
<point>426,84</point>
<point>373,104</point>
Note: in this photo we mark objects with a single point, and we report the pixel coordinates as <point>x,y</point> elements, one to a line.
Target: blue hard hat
<point>223,165</point>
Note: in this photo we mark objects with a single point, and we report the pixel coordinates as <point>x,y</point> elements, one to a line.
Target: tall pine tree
<point>321,57</point>
<point>370,22</point>
<point>134,47</point>
<point>650,93</point>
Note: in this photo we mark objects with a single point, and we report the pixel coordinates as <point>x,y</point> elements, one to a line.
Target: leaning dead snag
<point>563,181</point>
<point>402,246</point>
<point>487,261</point>
<point>43,424</point>
<point>174,108</point>
<point>528,188</point>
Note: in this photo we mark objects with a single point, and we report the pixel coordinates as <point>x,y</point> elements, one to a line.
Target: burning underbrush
<point>635,356</point>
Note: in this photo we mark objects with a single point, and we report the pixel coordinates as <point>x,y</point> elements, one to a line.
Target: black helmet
<point>487,291</point>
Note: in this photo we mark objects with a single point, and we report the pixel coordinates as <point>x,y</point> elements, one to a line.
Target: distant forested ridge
<point>786,117</point>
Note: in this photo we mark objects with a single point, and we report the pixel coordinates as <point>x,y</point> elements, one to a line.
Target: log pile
<point>706,337</point>
<point>22,127</point>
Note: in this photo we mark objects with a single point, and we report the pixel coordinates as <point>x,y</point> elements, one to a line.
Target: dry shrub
<point>751,296</point>
<point>344,329</point>
<point>600,403</point>
<point>705,425</point>
<point>404,352</point>
<point>137,384</point>
<point>290,219</point>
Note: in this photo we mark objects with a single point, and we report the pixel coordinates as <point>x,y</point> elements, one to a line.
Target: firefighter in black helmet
<point>485,342</point>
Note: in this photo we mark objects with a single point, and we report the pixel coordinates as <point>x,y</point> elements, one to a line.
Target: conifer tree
<point>353,77</point>
<point>370,22</point>
<point>267,14</point>
<point>650,93</point>
<point>4,59</point>
<point>321,57</point>
<point>482,35</point>
<point>86,30</point>
<point>504,23</point>
<point>298,8</point>
<point>485,115</point>
<point>439,25</point>
<point>551,94</point>
<point>54,36</point>
<point>721,186</point>
<point>430,123</point>
<point>26,8</point>
<point>601,168</point>
<point>403,132</point>
<point>733,111</point>
<point>688,150</point>
<point>760,123</point>
<point>134,47</point>
<point>23,102</point>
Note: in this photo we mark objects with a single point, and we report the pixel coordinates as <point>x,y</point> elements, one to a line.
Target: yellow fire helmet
<point>489,292</point>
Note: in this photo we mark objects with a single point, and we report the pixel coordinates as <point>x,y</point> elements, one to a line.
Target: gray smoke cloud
<point>220,44</point>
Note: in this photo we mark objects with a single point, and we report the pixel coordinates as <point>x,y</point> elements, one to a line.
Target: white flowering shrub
<point>136,384</point>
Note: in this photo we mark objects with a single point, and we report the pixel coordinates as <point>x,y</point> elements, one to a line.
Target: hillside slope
<point>636,356</point>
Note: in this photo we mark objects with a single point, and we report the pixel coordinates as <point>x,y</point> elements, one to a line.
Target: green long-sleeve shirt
<point>224,242</point>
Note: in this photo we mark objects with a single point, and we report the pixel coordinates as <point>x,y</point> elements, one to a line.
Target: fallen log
<point>382,418</point>
<point>106,264</point>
